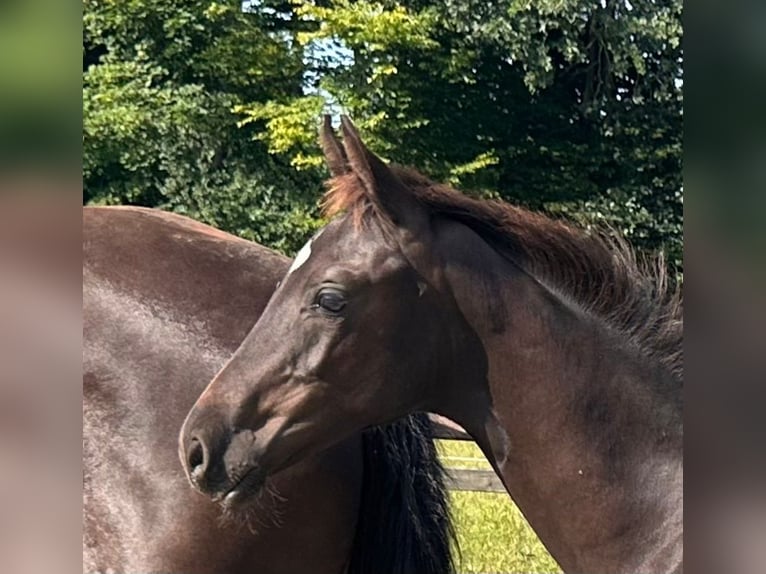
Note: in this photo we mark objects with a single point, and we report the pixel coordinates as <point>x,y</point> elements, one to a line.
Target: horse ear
<point>332,148</point>
<point>381,184</point>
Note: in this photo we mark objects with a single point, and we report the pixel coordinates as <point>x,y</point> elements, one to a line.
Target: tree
<point>161,80</point>
<point>567,106</point>
<point>571,107</point>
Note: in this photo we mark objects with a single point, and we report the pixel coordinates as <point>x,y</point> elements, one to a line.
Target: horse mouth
<point>249,484</point>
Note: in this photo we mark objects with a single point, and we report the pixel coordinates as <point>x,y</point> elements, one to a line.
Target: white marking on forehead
<point>303,255</point>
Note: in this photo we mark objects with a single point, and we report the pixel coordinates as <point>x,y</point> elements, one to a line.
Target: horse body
<point>585,434</point>
<point>166,302</point>
<point>554,349</point>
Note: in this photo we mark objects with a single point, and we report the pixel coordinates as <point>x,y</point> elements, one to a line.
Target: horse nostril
<point>196,458</point>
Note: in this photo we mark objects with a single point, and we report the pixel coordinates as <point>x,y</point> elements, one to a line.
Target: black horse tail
<point>404,524</point>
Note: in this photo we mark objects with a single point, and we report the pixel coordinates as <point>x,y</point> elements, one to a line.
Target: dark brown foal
<point>556,350</point>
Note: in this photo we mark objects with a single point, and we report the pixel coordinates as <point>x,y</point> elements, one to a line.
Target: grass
<point>493,535</point>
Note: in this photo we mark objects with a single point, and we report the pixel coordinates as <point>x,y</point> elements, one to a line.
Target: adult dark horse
<point>553,348</point>
<point>166,302</point>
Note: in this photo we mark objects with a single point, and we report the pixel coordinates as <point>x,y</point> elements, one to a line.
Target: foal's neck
<point>576,423</point>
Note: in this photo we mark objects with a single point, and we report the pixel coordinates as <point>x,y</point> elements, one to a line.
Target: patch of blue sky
<point>319,54</point>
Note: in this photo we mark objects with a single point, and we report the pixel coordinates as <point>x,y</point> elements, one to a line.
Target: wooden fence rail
<point>474,480</point>
<point>477,480</point>
<point>445,428</point>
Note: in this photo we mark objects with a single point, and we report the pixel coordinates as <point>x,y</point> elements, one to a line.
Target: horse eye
<point>330,301</point>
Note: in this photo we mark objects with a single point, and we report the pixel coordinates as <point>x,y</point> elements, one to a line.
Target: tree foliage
<point>161,81</point>
<point>568,106</point>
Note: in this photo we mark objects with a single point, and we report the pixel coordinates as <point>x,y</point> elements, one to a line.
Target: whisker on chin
<point>260,511</point>
<point>277,503</point>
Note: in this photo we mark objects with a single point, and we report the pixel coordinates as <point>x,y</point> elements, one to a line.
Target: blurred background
<point>40,287</point>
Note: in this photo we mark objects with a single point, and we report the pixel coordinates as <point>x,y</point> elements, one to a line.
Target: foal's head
<point>353,336</point>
